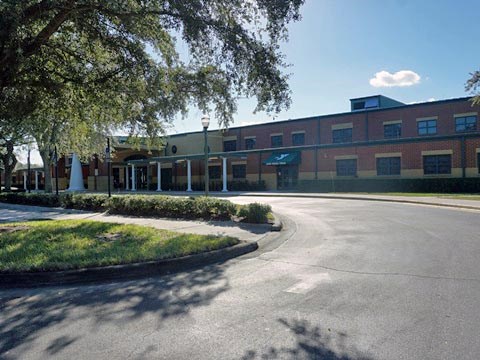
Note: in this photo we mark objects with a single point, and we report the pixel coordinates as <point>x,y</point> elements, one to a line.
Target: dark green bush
<point>172,207</point>
<point>90,202</point>
<point>208,208</point>
<point>254,213</point>
<point>50,200</point>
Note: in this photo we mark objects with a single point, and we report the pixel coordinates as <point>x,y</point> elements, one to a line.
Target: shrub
<point>207,208</point>
<point>50,200</point>
<point>90,202</point>
<point>255,213</point>
<point>172,207</point>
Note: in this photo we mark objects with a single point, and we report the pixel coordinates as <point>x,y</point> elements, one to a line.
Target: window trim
<point>437,166</point>
<point>397,125</point>
<point>350,138</point>
<point>352,160</point>
<point>233,171</point>
<point>298,133</point>
<point>426,120</point>
<point>465,117</point>
<point>279,135</point>
<point>254,138</point>
<point>390,158</point>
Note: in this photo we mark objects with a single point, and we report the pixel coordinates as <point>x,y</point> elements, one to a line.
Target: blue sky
<point>339,45</point>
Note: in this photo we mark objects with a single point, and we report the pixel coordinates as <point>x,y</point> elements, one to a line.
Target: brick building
<point>380,145</point>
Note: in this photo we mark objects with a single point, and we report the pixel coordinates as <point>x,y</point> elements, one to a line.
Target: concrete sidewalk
<point>245,232</point>
<point>423,200</point>
<point>443,200</point>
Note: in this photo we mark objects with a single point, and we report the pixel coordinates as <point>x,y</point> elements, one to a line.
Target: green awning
<point>283,158</point>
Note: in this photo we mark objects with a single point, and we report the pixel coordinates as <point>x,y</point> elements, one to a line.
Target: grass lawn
<point>67,244</point>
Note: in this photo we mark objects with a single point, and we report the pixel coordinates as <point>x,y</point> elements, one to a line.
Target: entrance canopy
<point>283,158</point>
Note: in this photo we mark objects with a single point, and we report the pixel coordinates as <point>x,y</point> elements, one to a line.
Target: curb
<point>123,272</point>
<point>277,224</point>
<point>401,201</point>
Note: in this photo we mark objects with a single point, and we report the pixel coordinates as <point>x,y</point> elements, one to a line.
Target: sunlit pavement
<point>350,280</point>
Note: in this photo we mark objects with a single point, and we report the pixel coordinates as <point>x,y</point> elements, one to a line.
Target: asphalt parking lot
<point>350,279</point>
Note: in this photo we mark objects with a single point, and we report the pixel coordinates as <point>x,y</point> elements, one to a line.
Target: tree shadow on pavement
<point>27,315</point>
<point>310,343</point>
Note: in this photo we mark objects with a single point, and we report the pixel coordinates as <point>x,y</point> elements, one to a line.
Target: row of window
<point>298,139</point>
<point>432,165</point>
<point>238,171</point>
<point>390,131</point>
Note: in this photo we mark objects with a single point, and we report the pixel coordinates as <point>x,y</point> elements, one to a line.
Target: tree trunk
<point>9,161</point>
<point>45,154</point>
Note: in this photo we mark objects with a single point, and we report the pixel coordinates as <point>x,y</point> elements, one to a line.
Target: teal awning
<point>283,158</point>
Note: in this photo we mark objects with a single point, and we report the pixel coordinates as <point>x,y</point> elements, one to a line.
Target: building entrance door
<point>287,177</point>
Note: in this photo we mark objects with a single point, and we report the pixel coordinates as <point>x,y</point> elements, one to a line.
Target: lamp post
<point>205,123</point>
<point>28,167</point>
<point>109,166</point>
<point>56,170</point>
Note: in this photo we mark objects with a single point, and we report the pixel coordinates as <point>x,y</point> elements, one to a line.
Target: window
<point>342,135</point>
<point>360,105</point>
<point>371,103</point>
<point>437,164</point>
<point>230,145</point>
<point>239,171</point>
<point>347,167</point>
<point>298,139</point>
<point>388,166</point>
<point>214,172</point>
<point>466,123</point>
<point>392,131</point>
<point>250,143</point>
<point>427,127</point>
<point>277,140</point>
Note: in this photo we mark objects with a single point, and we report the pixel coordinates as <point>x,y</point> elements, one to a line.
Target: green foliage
<point>89,202</point>
<point>207,208</point>
<point>71,244</point>
<point>49,200</point>
<point>255,213</point>
<point>92,66</point>
<point>172,207</point>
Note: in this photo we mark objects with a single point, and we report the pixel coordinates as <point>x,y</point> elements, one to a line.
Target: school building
<point>380,145</point>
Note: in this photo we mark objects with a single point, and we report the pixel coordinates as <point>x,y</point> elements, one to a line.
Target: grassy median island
<point>66,244</point>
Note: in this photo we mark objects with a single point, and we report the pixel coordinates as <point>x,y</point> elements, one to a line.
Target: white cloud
<point>400,78</point>
<point>431,99</point>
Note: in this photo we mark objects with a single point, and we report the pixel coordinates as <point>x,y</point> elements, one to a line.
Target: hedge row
<point>443,185</point>
<point>207,208</point>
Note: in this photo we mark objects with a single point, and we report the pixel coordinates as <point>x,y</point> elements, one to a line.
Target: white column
<point>134,178</point>
<point>189,175</point>
<point>127,179</point>
<point>224,176</point>
<point>36,180</point>
<point>159,176</point>
<point>25,180</point>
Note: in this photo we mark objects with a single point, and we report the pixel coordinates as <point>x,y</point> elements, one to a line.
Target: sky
<point>338,47</point>
<point>409,50</point>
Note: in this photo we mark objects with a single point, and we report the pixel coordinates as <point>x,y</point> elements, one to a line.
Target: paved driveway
<point>351,280</point>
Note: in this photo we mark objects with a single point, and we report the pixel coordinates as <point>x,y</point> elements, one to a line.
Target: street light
<point>109,166</point>
<point>205,123</point>
<point>56,170</point>
<point>28,166</point>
